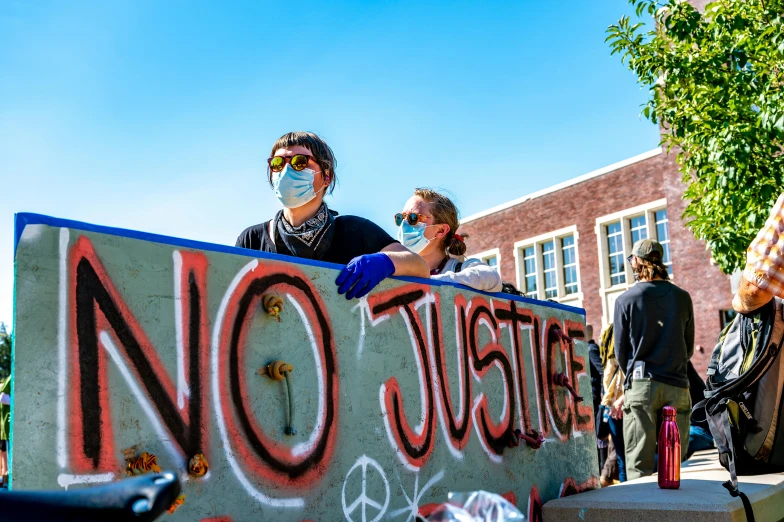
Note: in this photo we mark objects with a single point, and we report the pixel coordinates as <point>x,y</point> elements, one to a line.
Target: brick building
<point>569,242</point>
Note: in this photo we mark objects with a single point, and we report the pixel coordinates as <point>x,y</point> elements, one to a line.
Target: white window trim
<point>482,256</point>
<point>624,217</point>
<point>537,241</point>
<point>669,234</point>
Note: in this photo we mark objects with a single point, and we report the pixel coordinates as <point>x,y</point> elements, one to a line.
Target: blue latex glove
<point>363,273</point>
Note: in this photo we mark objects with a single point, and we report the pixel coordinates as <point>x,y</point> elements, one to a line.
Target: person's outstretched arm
<point>363,273</point>
<point>475,274</point>
<point>406,262</point>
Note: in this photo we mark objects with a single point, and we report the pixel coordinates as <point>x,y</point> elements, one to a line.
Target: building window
<point>548,261</point>
<point>491,257</point>
<point>529,260</point>
<point>616,234</point>
<point>492,261</point>
<point>569,265</point>
<point>548,266</point>
<point>615,253</point>
<point>638,228</point>
<point>663,236</point>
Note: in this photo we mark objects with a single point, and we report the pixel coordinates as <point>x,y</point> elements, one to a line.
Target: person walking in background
<point>595,361</point>
<point>5,428</point>
<point>763,276</point>
<point>428,227</point>
<point>654,340</point>
<point>612,384</point>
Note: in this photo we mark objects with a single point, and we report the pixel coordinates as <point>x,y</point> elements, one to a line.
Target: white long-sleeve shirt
<point>474,273</point>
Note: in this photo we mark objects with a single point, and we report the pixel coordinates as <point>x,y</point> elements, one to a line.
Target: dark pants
<point>616,432</point>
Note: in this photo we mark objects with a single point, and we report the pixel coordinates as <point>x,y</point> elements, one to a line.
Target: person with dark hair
<point>301,169</point>
<point>428,226</point>
<point>654,340</point>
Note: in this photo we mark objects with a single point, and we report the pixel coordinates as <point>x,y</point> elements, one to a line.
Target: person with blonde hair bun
<point>428,226</point>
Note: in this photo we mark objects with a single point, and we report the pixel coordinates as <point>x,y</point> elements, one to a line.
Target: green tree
<point>5,352</point>
<point>715,82</point>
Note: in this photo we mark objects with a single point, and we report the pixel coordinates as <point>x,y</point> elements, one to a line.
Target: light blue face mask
<point>294,188</point>
<point>412,237</point>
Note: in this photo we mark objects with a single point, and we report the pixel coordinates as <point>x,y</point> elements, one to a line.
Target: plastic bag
<point>450,513</point>
<point>476,506</point>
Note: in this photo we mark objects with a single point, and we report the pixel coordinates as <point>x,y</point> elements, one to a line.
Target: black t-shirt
<point>654,323</point>
<point>354,236</point>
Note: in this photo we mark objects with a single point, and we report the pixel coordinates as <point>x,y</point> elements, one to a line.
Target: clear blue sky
<point>159,115</point>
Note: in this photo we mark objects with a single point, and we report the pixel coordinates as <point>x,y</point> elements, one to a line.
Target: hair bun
<point>456,246</point>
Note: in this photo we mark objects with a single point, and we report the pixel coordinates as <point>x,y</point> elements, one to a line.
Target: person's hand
<point>363,273</point>
<point>616,411</point>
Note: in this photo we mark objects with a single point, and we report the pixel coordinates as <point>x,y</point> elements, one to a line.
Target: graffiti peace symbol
<point>363,502</point>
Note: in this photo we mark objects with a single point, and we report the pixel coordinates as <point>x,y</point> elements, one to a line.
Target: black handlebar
<point>138,499</point>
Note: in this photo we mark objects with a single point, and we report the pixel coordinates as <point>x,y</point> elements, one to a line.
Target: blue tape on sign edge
<point>22,219</point>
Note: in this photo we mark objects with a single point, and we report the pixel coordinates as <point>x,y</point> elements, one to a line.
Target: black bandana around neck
<point>312,238</point>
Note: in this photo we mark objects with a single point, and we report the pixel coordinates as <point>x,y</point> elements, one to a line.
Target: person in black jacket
<point>654,340</point>
<point>301,170</point>
<point>595,360</point>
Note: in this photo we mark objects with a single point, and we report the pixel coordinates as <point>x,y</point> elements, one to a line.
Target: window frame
<point>607,236</point>
<point>607,290</point>
<point>523,286</point>
<point>669,234</point>
<point>487,254</point>
<point>575,264</point>
<point>537,242</point>
<point>632,229</point>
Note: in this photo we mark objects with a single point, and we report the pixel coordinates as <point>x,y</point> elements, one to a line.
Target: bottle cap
<point>669,411</point>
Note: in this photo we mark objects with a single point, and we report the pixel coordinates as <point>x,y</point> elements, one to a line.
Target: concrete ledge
<point>701,498</point>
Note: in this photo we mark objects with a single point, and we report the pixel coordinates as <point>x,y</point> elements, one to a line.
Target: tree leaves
<point>715,82</point>
<point>5,353</point>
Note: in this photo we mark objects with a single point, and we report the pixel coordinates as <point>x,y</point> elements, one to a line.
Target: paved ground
<point>701,498</point>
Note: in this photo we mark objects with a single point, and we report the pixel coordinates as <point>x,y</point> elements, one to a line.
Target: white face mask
<point>294,188</point>
<point>413,236</point>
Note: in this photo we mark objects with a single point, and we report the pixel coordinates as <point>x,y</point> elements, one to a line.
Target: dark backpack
<point>509,288</point>
<point>743,401</point>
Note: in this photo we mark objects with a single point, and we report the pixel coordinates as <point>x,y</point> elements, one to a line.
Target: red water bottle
<point>669,451</point>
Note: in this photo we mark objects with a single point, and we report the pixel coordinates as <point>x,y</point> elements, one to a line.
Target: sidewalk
<point>701,498</point>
